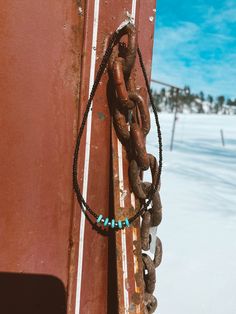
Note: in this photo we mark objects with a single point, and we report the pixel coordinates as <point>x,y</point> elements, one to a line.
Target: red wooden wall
<point>45,60</point>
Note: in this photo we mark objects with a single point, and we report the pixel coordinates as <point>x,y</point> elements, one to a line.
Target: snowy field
<point>198,231</point>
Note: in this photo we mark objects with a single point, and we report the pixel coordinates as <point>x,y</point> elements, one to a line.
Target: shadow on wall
<point>31,294</point>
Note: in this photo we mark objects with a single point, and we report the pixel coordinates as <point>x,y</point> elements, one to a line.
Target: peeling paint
<point>80,11</point>
<point>123,194</point>
<point>101,116</point>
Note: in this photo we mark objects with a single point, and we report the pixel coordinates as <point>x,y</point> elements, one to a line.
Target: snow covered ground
<point>198,231</point>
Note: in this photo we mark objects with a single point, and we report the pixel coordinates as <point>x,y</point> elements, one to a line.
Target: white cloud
<point>198,55</point>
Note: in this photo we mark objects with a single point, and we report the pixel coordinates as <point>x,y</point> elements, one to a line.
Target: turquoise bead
<point>99,218</point>
<point>119,224</point>
<point>113,223</point>
<point>106,222</point>
<point>127,222</point>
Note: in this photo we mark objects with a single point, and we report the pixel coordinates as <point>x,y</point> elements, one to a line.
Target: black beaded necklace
<point>99,218</point>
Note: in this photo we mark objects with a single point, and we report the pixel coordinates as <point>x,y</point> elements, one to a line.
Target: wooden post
<point>222,137</point>
<point>173,129</point>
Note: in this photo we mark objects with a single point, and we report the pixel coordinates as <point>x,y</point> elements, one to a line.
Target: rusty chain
<point>138,117</point>
<point>131,119</point>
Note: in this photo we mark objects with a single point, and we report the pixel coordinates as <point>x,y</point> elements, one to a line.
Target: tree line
<point>186,101</point>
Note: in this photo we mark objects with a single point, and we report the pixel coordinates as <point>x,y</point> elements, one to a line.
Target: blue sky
<point>195,45</point>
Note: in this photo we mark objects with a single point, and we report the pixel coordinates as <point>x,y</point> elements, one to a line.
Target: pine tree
<point>201,96</point>
<point>220,102</point>
<point>210,99</point>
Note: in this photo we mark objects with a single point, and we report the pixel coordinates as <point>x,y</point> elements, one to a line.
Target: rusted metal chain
<point>150,303</point>
<point>131,120</point>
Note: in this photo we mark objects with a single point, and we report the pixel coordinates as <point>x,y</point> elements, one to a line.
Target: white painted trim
<point>87,157</point>
<point>123,232</point>
<point>121,176</point>
<point>133,12</point>
<point>125,271</point>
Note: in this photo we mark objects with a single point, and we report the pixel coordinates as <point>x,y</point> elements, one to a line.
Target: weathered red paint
<point>40,52</point>
<point>45,50</point>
